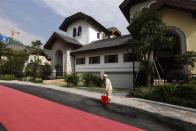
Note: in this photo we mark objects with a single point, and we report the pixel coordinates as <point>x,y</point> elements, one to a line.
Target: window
<point>94,60</point>
<point>111,59</point>
<point>98,35</point>
<point>128,57</point>
<point>74,32</point>
<point>80,61</point>
<point>79,31</point>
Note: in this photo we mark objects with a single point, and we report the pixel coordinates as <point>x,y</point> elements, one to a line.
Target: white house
<point>87,46</point>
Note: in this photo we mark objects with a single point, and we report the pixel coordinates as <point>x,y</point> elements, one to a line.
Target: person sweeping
<point>107,86</point>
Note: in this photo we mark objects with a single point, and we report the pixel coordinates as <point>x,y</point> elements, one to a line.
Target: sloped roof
<point>106,43</point>
<point>58,36</point>
<point>188,5</point>
<point>79,16</point>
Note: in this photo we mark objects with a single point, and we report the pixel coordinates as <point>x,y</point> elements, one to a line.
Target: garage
<point>121,79</point>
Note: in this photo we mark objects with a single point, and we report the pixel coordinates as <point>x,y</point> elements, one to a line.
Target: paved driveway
<point>24,112</point>
<point>91,106</point>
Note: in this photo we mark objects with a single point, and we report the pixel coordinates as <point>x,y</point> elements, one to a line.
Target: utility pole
<point>132,55</point>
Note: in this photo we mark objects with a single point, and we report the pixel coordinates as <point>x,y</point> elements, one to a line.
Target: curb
<point>172,122</point>
<point>167,104</point>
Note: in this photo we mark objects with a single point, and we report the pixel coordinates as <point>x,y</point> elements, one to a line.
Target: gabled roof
<point>188,5</point>
<point>79,16</point>
<point>103,44</point>
<point>58,36</point>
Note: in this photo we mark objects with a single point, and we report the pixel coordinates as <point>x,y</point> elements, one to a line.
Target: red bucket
<point>104,100</point>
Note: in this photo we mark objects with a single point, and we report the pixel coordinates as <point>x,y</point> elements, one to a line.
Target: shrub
<point>45,71</point>
<point>33,68</point>
<point>8,77</point>
<point>14,64</point>
<point>163,93</point>
<point>58,69</point>
<point>18,74</point>
<point>29,78</point>
<point>71,79</point>
<point>86,77</point>
<point>193,81</point>
<point>184,94</point>
<point>177,75</point>
<point>24,79</point>
<point>59,77</point>
<point>142,92</point>
<point>90,79</point>
<point>187,91</point>
<point>38,80</point>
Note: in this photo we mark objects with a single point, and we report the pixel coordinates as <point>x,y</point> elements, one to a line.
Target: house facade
<point>179,15</point>
<point>87,46</point>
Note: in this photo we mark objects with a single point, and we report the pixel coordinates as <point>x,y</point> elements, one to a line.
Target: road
<point>92,106</point>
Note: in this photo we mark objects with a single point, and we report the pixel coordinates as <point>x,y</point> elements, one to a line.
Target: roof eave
<point>123,7</point>
<point>188,5</point>
<point>54,37</point>
<point>78,16</point>
<point>98,49</point>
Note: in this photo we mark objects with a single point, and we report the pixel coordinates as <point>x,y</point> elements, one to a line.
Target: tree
<point>4,54</point>
<point>36,44</point>
<point>149,35</point>
<point>33,68</point>
<point>4,51</point>
<point>187,59</point>
<point>14,64</point>
<point>36,49</point>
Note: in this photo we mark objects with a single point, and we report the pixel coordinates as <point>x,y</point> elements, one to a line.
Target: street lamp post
<point>132,55</point>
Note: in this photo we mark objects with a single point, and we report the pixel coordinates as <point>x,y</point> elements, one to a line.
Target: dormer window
<point>79,31</point>
<point>74,32</point>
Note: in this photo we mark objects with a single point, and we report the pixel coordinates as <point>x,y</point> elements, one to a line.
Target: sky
<point>38,19</point>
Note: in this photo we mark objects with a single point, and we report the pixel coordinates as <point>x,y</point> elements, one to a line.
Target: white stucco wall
<point>68,60</point>
<point>84,38</point>
<point>93,34</point>
<point>121,66</point>
<point>57,46</point>
<point>120,74</point>
<point>89,32</point>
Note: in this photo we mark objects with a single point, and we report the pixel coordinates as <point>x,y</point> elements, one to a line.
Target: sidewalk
<point>185,118</point>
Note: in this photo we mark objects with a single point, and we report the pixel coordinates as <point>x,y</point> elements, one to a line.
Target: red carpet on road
<point>24,112</point>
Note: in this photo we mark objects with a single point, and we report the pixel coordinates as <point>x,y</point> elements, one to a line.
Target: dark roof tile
<point>111,42</point>
<point>63,38</point>
<point>83,16</point>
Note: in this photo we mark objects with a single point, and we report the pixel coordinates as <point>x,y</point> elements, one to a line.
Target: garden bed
<point>182,95</point>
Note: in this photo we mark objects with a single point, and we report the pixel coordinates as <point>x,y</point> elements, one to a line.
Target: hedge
<point>184,95</point>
